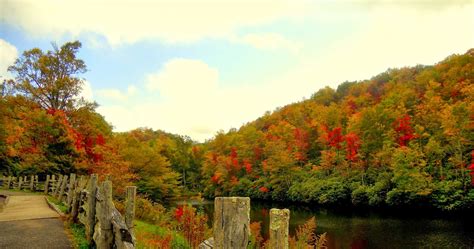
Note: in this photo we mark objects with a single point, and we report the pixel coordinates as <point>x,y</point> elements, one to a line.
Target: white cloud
<point>127,21</point>
<point>193,102</point>
<point>183,78</point>
<point>8,55</point>
<point>86,92</point>
<point>397,37</point>
<point>132,90</point>
<point>270,41</point>
<point>116,94</point>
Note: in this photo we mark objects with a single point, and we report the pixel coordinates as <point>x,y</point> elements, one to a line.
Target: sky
<point>197,67</point>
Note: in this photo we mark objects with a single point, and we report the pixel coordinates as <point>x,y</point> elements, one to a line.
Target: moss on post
<point>279,226</point>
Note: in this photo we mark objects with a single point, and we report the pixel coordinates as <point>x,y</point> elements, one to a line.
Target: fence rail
<point>88,202</point>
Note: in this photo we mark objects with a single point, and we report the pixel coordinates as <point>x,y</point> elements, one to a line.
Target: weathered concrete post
<point>91,199</point>
<point>231,222</point>
<point>72,183</point>
<point>279,227</point>
<point>103,233</point>
<point>46,185</point>
<point>32,182</point>
<point>130,206</point>
<point>57,186</point>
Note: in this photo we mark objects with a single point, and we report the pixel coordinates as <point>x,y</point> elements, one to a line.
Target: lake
<point>370,229</point>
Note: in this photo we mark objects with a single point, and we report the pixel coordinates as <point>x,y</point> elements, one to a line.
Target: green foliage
<point>411,184</point>
<point>448,195</point>
<point>153,236</point>
<point>78,232</point>
<point>60,205</point>
<point>57,71</point>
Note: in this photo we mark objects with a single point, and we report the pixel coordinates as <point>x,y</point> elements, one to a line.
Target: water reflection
<point>366,230</point>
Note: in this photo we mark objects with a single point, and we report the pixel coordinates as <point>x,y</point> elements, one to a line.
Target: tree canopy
<point>51,78</point>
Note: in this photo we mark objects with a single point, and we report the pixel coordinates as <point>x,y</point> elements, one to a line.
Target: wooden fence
<point>88,202</point>
<point>231,228</point>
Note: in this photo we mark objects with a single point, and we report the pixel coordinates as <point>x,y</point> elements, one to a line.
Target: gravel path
<point>28,222</point>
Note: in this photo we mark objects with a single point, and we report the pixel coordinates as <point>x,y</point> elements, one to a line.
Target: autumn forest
<point>404,138</point>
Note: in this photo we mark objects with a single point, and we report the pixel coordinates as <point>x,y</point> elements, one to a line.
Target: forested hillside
<point>403,138</point>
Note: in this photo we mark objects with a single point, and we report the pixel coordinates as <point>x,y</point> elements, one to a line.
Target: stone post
<point>231,222</point>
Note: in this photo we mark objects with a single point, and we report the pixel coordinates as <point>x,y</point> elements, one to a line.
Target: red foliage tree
<point>352,146</point>
<point>216,178</point>
<point>404,130</point>
<point>301,144</point>
<point>263,189</point>
<point>248,166</point>
<point>233,158</point>
<point>333,137</point>
<point>471,168</point>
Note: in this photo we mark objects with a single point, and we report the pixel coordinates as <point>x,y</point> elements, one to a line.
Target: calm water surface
<point>370,229</point>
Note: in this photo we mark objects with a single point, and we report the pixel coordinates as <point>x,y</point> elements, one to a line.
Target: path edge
<point>52,206</point>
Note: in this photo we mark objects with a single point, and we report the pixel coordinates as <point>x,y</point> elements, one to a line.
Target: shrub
<point>191,224</point>
<point>256,239</point>
<point>448,195</point>
<point>307,238</point>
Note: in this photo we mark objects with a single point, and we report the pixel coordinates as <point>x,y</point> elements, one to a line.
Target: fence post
<point>8,182</point>
<point>76,198</point>
<point>231,222</point>
<point>130,206</point>
<point>46,185</point>
<point>20,182</point>
<point>279,226</point>
<point>36,183</point>
<point>91,199</point>
<point>72,182</point>
<point>63,187</point>
<point>14,180</point>
<point>32,182</point>
<point>52,183</point>
<point>103,234</point>
<point>57,186</point>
